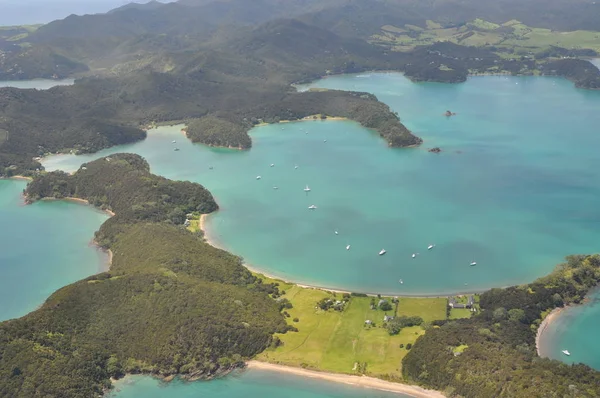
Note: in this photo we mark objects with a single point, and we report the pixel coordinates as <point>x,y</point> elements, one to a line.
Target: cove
<point>246,384</point>
<point>575,329</point>
<point>514,188</point>
<point>43,247</point>
<point>39,84</point>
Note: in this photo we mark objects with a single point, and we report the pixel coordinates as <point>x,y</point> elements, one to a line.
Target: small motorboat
<point>414,255</point>
<point>258,177</point>
<point>176,149</point>
<point>210,168</point>
<point>275,187</point>
<point>348,247</point>
<point>272,164</point>
<point>312,207</point>
<point>473,263</point>
<point>295,167</point>
<point>307,189</point>
<point>430,247</point>
<point>324,140</point>
<point>401,281</point>
<point>173,141</point>
<point>566,352</point>
<point>336,232</point>
<point>382,252</point>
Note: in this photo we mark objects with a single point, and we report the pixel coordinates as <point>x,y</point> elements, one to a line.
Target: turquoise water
<point>43,247</point>
<point>515,188</point>
<point>40,84</point>
<point>247,384</point>
<point>575,330</point>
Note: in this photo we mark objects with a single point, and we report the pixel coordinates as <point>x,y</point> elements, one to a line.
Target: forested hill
<point>493,354</point>
<point>171,303</point>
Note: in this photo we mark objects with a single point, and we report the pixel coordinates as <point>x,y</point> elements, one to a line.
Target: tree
<point>385,306</point>
<point>516,315</point>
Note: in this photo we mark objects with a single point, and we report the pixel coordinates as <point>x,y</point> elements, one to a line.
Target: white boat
<point>473,263</point>
<point>258,177</point>
<point>324,140</point>
<point>401,281</point>
<point>312,207</point>
<point>272,164</point>
<point>173,141</point>
<point>275,187</point>
<point>430,247</point>
<point>336,232</point>
<point>295,167</point>
<point>566,352</point>
<point>382,252</point>
<point>348,247</point>
<point>307,189</point>
<point>414,255</point>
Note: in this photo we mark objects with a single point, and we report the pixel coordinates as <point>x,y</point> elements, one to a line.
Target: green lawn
<point>334,341</point>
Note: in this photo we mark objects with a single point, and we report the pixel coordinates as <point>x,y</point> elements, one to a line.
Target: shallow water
<point>43,247</point>
<point>40,84</point>
<point>515,188</point>
<point>575,329</point>
<point>247,384</point>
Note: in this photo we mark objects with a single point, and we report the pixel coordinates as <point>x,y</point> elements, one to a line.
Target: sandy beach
<point>545,323</point>
<point>362,381</point>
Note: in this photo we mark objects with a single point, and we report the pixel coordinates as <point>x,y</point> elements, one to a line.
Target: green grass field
<point>335,341</point>
<point>481,33</point>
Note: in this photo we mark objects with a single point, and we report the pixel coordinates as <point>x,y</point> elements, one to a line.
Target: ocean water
<point>575,329</point>
<point>247,384</point>
<point>43,247</point>
<point>40,84</point>
<point>514,189</point>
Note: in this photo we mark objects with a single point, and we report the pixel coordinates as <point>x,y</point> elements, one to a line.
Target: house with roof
<point>387,318</point>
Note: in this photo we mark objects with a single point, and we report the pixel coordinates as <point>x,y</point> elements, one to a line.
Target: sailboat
<point>473,263</point>
<point>312,207</point>
<point>348,247</point>
<point>307,189</point>
<point>566,352</point>
<point>382,252</point>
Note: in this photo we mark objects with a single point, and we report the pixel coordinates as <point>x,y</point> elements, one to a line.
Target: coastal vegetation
<point>171,303</point>
<point>494,352</point>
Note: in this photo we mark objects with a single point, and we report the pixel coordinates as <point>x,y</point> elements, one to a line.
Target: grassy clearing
<point>336,341</point>
<point>480,33</point>
<point>459,313</point>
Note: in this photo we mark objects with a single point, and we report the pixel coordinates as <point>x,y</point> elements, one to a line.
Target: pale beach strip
<point>361,381</point>
<point>551,317</point>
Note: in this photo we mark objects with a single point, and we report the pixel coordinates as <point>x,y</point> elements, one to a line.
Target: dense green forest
<point>500,358</point>
<point>171,303</point>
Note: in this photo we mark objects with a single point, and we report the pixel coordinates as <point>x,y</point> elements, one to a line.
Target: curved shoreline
<point>257,270</point>
<point>361,381</point>
<point>551,317</point>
